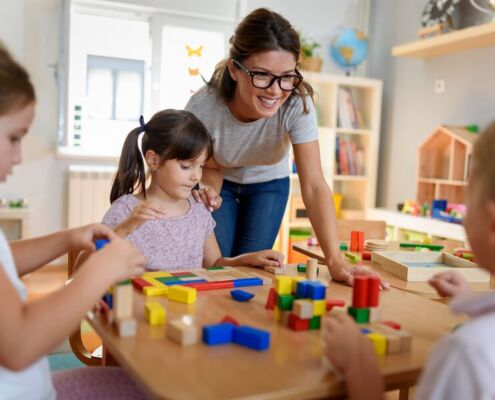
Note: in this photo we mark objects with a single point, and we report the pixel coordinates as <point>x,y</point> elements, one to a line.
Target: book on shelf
<point>349,157</point>
<point>349,116</point>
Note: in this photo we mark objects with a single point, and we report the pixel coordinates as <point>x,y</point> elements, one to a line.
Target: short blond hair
<point>483,164</point>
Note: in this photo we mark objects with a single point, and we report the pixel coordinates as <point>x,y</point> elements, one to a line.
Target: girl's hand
<point>83,238</point>
<point>341,271</point>
<point>345,346</point>
<point>450,284</point>
<point>263,258</point>
<point>208,196</point>
<point>144,211</point>
<point>118,260</point>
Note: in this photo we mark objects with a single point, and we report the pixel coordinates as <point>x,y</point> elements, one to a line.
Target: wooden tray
<point>419,267</point>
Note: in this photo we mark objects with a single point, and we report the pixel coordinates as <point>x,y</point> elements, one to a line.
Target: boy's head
<point>16,110</point>
<point>480,217</point>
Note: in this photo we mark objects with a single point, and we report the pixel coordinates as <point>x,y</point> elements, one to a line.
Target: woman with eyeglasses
<point>256,106</point>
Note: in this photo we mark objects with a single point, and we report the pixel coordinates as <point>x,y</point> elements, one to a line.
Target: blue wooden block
<point>181,282</point>
<point>242,282</point>
<point>108,298</point>
<point>316,291</point>
<point>253,338</point>
<point>302,289</point>
<point>365,331</point>
<point>100,243</point>
<point>218,334</point>
<point>241,295</point>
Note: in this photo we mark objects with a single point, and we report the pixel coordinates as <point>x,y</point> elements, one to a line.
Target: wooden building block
<point>375,314</point>
<point>283,284</point>
<point>182,331</point>
<point>298,324</point>
<point>312,269</point>
<point>360,291</point>
<point>126,327</point>
<point>303,308</point>
<point>155,290</point>
<point>295,280</point>
<point>405,337</point>
<point>373,291</point>
<point>379,343</point>
<point>319,307</point>
<point>275,270</point>
<point>157,274</point>
<point>122,301</point>
<point>182,294</point>
<point>353,258</point>
<point>360,315</point>
<point>271,299</point>
<point>155,313</point>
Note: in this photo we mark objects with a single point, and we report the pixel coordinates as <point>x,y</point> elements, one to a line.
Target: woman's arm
<point>318,200</point>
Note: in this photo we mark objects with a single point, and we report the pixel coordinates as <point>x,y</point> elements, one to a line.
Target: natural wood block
<point>184,333</point>
<point>122,301</point>
<point>303,309</point>
<point>127,327</point>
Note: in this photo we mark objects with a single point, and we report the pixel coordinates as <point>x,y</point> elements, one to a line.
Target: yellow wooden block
<point>319,307</point>
<point>182,294</point>
<point>379,343</point>
<point>156,274</point>
<point>296,279</point>
<point>155,313</point>
<point>283,284</point>
<point>155,290</point>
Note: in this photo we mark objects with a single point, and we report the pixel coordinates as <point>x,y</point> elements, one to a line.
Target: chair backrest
<point>371,229</point>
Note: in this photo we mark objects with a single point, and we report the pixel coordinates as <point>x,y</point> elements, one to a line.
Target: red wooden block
<point>360,241</point>
<point>373,291</point>
<point>360,291</point>
<point>354,241</point>
<point>366,255</point>
<point>179,274</point>
<point>392,324</point>
<point>228,319</point>
<point>331,303</point>
<point>271,300</point>
<point>298,324</point>
<point>140,284</point>
<point>211,285</point>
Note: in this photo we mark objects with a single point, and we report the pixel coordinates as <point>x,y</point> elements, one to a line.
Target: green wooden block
<point>301,268</point>
<point>360,315</point>
<point>353,257</point>
<point>344,247</point>
<point>214,268</point>
<point>167,279</point>
<point>285,302</point>
<point>315,323</point>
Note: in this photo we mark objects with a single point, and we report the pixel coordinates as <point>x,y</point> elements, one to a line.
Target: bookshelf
<point>349,112</point>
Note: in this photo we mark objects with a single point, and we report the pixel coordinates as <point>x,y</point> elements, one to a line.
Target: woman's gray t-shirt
<point>256,151</point>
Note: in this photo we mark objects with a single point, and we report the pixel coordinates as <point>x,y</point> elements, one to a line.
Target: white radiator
<point>89,193</point>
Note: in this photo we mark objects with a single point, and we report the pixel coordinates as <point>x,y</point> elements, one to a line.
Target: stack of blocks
<point>298,303</point>
<point>387,338</point>
<point>365,297</point>
<point>357,250</point>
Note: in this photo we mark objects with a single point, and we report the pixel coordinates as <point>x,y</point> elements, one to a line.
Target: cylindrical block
<point>312,269</point>
<point>373,291</point>
<point>360,292</point>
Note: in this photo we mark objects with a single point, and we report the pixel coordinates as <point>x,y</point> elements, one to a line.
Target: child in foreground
<point>172,230</point>
<point>462,364</point>
<point>29,330</point>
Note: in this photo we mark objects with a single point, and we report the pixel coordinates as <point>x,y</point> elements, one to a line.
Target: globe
<point>349,48</point>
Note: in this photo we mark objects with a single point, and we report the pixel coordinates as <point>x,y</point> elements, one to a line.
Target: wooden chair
<point>75,339</point>
<point>371,229</point>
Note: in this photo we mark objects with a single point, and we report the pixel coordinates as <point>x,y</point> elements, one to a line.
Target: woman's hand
<point>144,211</point>
<point>208,196</point>
<point>83,238</point>
<point>341,271</point>
<point>450,284</point>
<point>262,258</point>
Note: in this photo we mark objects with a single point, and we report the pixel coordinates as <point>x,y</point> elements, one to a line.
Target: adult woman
<point>255,106</point>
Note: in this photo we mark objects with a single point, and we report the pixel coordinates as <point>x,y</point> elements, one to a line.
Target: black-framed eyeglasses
<point>263,80</point>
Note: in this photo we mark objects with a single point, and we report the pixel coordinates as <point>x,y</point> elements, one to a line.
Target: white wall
<point>411,109</point>
<point>30,28</point>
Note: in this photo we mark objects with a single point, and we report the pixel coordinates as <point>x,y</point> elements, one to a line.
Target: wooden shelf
<point>452,42</point>
<point>353,131</point>
<point>442,181</point>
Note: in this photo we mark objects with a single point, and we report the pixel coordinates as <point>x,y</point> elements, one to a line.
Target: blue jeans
<point>250,216</point>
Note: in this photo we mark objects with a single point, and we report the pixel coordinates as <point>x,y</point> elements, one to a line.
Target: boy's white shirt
<point>35,381</point>
<point>462,365</point>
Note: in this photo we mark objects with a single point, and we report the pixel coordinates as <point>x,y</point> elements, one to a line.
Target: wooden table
<point>291,369</point>
<point>419,288</point>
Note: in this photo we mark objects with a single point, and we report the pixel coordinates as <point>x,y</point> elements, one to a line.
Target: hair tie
<point>142,125</point>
